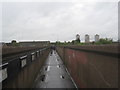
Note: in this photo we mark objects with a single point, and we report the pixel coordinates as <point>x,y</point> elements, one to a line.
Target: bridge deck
<point>54,74</point>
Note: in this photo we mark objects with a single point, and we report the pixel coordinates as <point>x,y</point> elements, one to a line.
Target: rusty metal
<point>90,69</point>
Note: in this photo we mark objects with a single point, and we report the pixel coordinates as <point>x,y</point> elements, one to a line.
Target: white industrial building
<point>87,39</point>
<point>96,38</point>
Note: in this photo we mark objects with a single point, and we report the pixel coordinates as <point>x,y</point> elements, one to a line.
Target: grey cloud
<point>58,20</point>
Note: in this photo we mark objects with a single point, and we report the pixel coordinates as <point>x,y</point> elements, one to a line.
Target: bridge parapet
<point>21,71</point>
<point>92,66</point>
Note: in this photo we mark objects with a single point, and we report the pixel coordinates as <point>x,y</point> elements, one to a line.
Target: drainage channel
<point>53,74</point>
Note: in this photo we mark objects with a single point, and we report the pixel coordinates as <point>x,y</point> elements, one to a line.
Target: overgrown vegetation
<point>104,41</point>
<point>77,42</point>
<point>14,43</point>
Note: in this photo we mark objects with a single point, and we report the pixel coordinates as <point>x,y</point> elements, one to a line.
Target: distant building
<point>96,38</point>
<point>34,43</point>
<point>87,39</point>
<point>77,37</point>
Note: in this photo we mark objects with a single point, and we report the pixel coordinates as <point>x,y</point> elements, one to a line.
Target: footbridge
<point>86,66</point>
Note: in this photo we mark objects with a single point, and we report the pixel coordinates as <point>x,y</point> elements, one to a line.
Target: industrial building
<point>87,39</point>
<point>96,38</point>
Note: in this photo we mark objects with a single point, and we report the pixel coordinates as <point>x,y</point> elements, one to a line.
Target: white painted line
<point>60,76</point>
<point>48,68</point>
<point>58,66</point>
<point>71,78</point>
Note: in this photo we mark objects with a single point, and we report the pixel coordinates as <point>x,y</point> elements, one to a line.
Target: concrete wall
<point>26,76</point>
<point>92,66</point>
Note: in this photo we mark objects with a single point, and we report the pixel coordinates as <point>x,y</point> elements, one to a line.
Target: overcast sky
<point>53,21</point>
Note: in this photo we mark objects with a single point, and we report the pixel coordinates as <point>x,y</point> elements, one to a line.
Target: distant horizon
<point>48,40</point>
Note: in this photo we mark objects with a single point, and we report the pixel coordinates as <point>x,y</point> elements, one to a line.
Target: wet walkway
<point>54,74</point>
